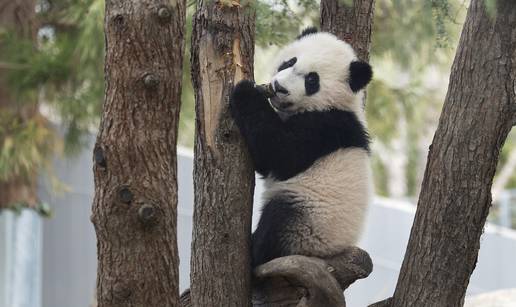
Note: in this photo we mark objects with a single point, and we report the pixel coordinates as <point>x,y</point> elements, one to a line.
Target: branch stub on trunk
<point>164,13</point>
<point>147,214</point>
<point>125,195</point>
<point>151,81</point>
<point>100,158</point>
<point>119,21</point>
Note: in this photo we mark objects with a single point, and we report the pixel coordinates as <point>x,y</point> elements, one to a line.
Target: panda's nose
<point>279,89</point>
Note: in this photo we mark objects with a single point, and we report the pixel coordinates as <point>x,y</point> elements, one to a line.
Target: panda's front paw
<point>246,97</point>
<point>244,90</point>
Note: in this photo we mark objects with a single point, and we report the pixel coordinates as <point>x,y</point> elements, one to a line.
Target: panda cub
<point>311,145</point>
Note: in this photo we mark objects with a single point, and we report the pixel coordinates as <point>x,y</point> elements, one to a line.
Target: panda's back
<point>320,210</point>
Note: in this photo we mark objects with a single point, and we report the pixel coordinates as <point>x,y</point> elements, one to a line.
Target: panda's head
<point>318,72</point>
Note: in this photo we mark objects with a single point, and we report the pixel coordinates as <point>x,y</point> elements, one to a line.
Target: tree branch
<point>307,281</point>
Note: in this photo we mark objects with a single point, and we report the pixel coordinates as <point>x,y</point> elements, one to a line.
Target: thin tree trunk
<point>222,54</point>
<point>135,205</point>
<point>455,198</point>
<point>350,23</point>
<point>18,16</point>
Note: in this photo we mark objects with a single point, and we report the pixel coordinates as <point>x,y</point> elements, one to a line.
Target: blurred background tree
<point>58,72</point>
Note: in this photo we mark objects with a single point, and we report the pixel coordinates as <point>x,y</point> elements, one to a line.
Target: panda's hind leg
<point>280,230</point>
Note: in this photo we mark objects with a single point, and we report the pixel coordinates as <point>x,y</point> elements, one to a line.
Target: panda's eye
<point>287,64</point>
<point>312,83</point>
<point>312,78</point>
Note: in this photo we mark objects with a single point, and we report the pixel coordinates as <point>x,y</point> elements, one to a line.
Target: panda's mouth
<point>280,104</point>
<point>282,108</point>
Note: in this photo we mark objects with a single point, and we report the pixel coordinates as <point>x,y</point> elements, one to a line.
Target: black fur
<point>360,73</point>
<point>284,149</point>
<point>287,64</point>
<point>307,31</point>
<point>279,216</point>
<point>312,85</point>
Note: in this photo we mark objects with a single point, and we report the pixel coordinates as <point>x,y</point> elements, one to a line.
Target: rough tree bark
<point>350,23</point>
<point>135,205</point>
<point>222,54</point>
<point>455,198</point>
<point>18,16</point>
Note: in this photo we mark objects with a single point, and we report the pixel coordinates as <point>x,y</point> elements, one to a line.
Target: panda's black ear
<point>360,73</point>
<point>307,31</point>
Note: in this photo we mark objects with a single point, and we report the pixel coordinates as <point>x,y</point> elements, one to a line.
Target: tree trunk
<point>19,190</point>
<point>18,16</point>
<point>478,112</point>
<point>135,205</point>
<point>222,54</point>
<point>350,23</point>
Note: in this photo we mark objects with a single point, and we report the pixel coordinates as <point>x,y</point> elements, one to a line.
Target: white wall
<point>20,259</point>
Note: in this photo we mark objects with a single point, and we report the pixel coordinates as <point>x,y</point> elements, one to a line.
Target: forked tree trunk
<point>478,113</point>
<point>135,205</point>
<point>350,23</point>
<point>222,54</point>
<point>20,17</point>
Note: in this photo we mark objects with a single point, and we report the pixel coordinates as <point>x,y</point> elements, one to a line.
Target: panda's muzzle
<point>279,89</point>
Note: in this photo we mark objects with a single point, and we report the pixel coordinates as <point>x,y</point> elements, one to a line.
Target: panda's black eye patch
<point>312,83</point>
<point>287,64</point>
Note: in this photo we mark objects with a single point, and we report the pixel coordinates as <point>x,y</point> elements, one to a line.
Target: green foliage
<point>508,147</point>
<point>187,113</point>
<point>411,32</point>
<point>63,71</point>
<point>441,13</point>
<point>411,56</point>
<point>31,67</point>
<point>278,21</point>
<point>66,65</point>
<point>79,100</point>
<point>24,145</point>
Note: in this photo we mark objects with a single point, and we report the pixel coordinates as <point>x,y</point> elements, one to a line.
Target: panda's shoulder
<point>331,117</point>
<point>341,128</point>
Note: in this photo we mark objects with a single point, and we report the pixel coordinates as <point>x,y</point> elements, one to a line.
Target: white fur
<point>330,58</point>
<point>335,193</point>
